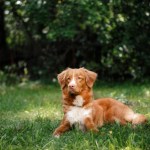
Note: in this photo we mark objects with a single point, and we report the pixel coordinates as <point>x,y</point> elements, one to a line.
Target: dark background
<point>40,38</point>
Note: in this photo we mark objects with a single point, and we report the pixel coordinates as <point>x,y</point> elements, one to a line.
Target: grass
<point>30,112</point>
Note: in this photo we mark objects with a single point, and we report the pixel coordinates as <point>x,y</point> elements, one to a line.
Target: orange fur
<point>80,108</point>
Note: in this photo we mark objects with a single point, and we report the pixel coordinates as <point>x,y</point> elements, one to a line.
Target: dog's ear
<point>90,77</point>
<point>61,78</point>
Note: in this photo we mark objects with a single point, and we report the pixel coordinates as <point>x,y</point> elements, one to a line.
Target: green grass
<point>29,114</point>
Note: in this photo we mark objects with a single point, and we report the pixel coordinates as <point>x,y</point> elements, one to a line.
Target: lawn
<point>30,112</point>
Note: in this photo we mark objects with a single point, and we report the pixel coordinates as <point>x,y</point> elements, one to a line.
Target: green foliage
<point>111,37</point>
<point>30,112</point>
<point>13,74</point>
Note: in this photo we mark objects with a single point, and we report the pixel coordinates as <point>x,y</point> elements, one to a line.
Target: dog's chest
<point>78,101</point>
<point>77,114</point>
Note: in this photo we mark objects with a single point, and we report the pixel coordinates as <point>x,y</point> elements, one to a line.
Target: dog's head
<point>76,80</point>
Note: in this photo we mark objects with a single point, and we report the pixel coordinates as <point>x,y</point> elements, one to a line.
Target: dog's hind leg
<point>89,124</point>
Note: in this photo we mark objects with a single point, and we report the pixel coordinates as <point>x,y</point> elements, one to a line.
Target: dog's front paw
<point>56,134</point>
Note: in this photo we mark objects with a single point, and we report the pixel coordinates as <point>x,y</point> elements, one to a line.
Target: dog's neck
<point>79,100</point>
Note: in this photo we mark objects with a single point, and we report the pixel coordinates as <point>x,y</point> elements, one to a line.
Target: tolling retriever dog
<point>80,108</point>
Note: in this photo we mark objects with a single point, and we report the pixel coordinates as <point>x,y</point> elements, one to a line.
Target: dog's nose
<point>71,86</point>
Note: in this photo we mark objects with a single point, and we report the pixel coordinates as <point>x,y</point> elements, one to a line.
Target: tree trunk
<point>3,48</point>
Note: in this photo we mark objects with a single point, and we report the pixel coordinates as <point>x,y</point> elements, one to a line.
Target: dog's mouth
<point>73,91</point>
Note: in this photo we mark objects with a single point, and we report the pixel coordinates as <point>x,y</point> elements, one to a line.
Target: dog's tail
<point>135,118</point>
<point>138,119</point>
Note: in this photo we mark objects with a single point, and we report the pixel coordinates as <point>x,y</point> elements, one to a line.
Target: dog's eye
<point>79,78</point>
<point>68,79</point>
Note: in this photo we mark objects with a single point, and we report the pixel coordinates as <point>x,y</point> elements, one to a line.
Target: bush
<point>14,74</point>
<point>110,37</point>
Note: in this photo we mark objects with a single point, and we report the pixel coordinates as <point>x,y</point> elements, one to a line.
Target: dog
<point>80,108</point>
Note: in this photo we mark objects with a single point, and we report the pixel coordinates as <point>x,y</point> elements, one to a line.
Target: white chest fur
<point>77,115</point>
<point>78,101</point>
